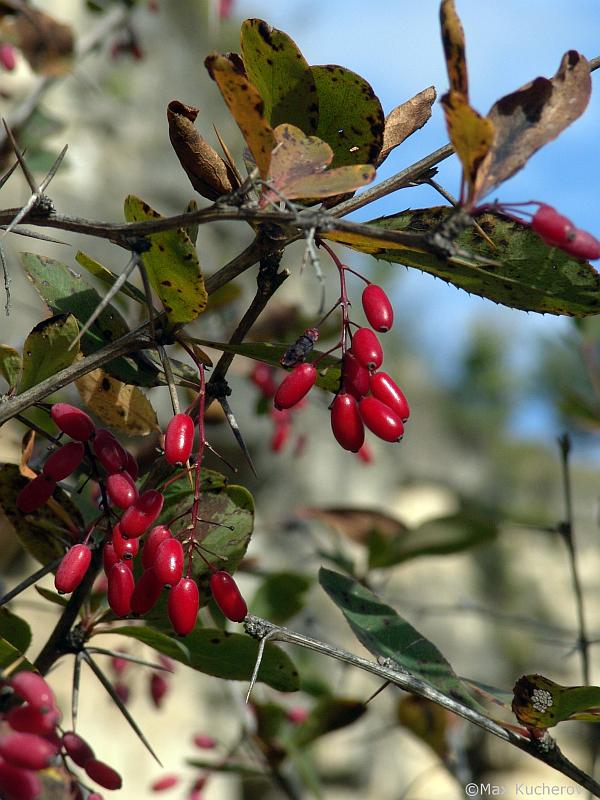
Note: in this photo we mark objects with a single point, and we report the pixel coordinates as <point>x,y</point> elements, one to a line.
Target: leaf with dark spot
<point>540,703</point>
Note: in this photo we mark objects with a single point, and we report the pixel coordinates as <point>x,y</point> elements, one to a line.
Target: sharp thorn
<point>236,432</point>
<point>26,171</point>
<point>53,169</point>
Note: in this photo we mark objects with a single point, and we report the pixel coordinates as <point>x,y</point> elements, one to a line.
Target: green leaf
<point>229,766</point>
<point>48,349</point>
<point>351,118</point>
<point>540,703</point>
<point>14,630</point>
<point>532,276</point>
<point>10,364</point>
<point>107,277</point>
<point>230,656</point>
<point>52,597</point>
<point>329,714</point>
<point>383,632</point>
<point>40,532</point>
<point>172,266</point>
<point>329,366</point>
<point>280,596</point>
<point>64,291</point>
<point>8,654</point>
<point>281,74</point>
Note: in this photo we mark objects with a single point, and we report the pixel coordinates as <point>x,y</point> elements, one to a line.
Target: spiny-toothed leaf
<point>47,349</point>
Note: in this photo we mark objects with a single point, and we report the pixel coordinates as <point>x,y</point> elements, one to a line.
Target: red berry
<point>262,377</point>
<point>64,461</point>
<point>109,557</point>
<point>27,719</point>
<point>33,689</point>
<point>128,549</point>
<point>121,584</point>
<point>168,562</point>
<point>77,748</point>
<point>122,692</point>
<point>7,57</point>
<point>552,227</point>
<point>377,307</point>
<point>109,452</point>
<point>297,384</point>
<point>280,436</point>
<point>72,421</point>
<point>121,489</point>
<point>227,596</point>
<point>146,593</point>
<point>27,750</point>
<point>157,535</point>
<point>141,514</point>
<point>159,687</point>
<point>101,773</point>
<point>183,605</point>
<point>72,568</point>
<point>297,715</point>
<point>365,454</point>
<point>386,390</point>
<point>367,349</point>
<point>355,377</point>
<point>204,742</point>
<point>179,439</point>
<point>584,245</point>
<point>380,419</point>
<point>166,782</point>
<point>35,494</point>
<point>19,784</point>
<point>132,466</point>
<point>346,422</point>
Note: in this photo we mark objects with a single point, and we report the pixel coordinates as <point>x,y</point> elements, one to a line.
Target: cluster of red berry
<point>162,556</point>
<point>158,685</point>
<point>35,744</point>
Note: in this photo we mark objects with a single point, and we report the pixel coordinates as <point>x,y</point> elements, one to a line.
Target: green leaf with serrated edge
<point>280,596</point>
<point>52,597</point>
<point>48,349</point>
<point>539,702</point>
<point>172,266</point>
<point>230,656</point>
<point>14,630</point>
<point>39,532</point>
<point>281,74</point>
<point>329,714</point>
<point>107,277</point>
<point>532,276</point>
<point>351,118</point>
<point>328,366</point>
<point>10,364</point>
<point>64,291</point>
<point>383,632</point>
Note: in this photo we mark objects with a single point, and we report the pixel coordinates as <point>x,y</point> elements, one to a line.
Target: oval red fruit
<point>35,494</point>
<point>346,422</point>
<point>183,605</point>
<point>33,689</point>
<point>146,593</point>
<point>583,245</point>
<point>19,784</point>
<point>166,782</point>
<point>295,386</point>
<point>380,419</point>
<point>377,307</point>
<point>72,421</point>
<point>121,584</point>
<point>121,489</point>
<point>109,557</point>
<point>64,461</point>
<point>102,774</point>
<point>159,687</point>
<point>179,439</point>
<point>388,391</point>
<point>77,748</point>
<point>157,535</point>
<point>132,466</point>
<point>168,562</point>
<point>138,517</point>
<point>552,227</point>
<point>72,568</point>
<point>366,348</point>
<point>27,750</point>
<point>227,596</point>
<point>27,719</point>
<point>355,377</point>
<point>109,452</point>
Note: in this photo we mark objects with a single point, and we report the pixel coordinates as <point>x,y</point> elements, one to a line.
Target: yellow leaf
<point>453,39</point>
<point>118,404</point>
<point>246,105</point>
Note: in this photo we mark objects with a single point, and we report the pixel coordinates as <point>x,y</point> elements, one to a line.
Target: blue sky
<point>396,47</point>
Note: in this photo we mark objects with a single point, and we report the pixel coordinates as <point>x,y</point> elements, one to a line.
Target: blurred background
<point>475,488</point>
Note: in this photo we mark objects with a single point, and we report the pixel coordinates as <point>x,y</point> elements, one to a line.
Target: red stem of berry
<point>343,295</point>
<point>197,465</point>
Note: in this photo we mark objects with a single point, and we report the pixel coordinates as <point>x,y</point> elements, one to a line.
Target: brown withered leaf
<point>48,45</point>
<point>208,173</point>
<point>453,39</point>
<point>404,120</point>
<point>356,524</point>
<point>246,106</point>
<point>535,114</point>
<point>118,404</point>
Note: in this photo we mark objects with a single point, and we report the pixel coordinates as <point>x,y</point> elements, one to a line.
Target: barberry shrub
<point>129,499</point>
